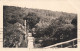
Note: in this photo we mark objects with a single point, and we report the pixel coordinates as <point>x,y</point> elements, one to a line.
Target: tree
<point>32,19</point>
<point>74,21</point>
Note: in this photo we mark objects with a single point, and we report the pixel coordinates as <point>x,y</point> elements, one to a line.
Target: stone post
<point>26,33</point>
<point>30,40</point>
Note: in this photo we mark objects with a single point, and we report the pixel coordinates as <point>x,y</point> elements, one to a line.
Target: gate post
<point>30,40</point>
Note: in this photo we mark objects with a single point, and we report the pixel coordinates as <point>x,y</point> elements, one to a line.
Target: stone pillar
<point>30,40</point>
<point>26,33</point>
<point>28,36</point>
<point>25,25</point>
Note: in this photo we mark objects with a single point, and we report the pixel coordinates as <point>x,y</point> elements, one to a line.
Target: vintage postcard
<point>39,25</point>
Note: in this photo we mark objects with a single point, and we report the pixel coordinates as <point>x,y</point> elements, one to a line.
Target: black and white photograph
<point>25,27</point>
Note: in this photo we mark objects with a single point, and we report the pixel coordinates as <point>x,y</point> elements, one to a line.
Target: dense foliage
<point>50,25</point>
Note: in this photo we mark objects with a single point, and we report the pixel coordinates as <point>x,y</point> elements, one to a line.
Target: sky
<point>54,5</point>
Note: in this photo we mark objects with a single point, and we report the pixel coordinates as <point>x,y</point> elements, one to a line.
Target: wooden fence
<point>67,44</point>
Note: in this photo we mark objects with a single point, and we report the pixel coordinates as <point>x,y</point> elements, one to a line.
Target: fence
<point>66,44</point>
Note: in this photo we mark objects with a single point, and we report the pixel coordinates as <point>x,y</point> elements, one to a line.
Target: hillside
<point>51,24</point>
